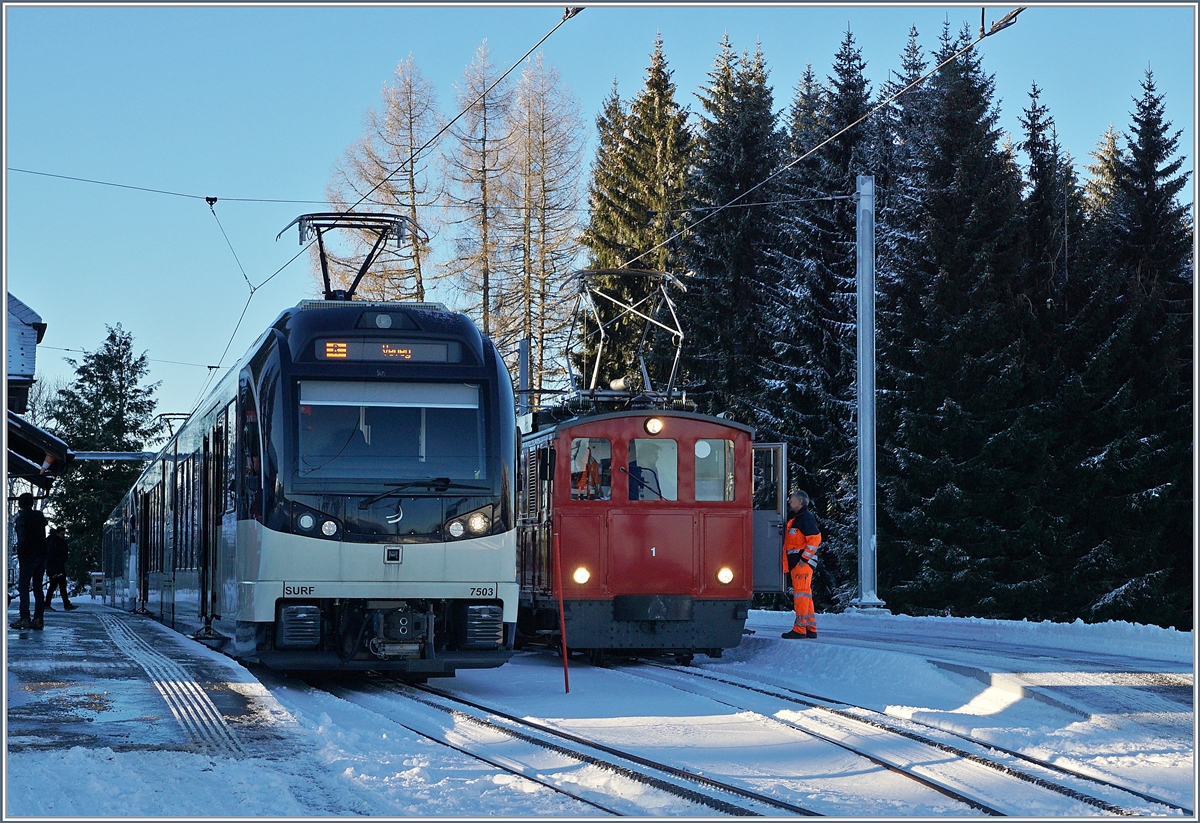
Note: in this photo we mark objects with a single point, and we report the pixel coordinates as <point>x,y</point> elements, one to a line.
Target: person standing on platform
<point>30,527</point>
<point>56,568</point>
<point>800,542</point>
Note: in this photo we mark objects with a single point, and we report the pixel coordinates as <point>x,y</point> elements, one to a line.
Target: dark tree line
<point>1034,331</point>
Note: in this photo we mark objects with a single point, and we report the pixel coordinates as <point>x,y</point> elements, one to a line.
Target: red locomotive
<point>652,514</point>
<point>649,507</point>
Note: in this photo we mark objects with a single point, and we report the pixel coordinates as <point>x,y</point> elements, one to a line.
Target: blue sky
<point>258,102</point>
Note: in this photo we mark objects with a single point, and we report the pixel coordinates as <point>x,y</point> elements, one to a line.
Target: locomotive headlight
<point>329,528</point>
<point>477,523</point>
<point>581,575</point>
<point>653,425</point>
<point>455,528</point>
<point>306,521</point>
<point>725,575</point>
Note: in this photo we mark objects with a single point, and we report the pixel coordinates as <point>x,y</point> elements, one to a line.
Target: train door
<point>770,501</point>
<point>171,525</point>
<point>143,553</point>
<point>206,524</point>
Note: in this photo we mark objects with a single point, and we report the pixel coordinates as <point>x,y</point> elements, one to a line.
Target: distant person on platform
<point>30,528</point>
<point>56,569</point>
<point>800,542</point>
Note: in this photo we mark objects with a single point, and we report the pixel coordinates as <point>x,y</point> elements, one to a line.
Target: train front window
<point>653,469</point>
<point>390,431</point>
<point>714,470</point>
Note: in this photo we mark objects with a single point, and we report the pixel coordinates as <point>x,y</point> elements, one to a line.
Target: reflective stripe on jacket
<point>800,541</point>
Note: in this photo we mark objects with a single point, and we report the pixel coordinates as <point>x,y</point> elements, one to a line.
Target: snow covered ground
<point>1115,700</point>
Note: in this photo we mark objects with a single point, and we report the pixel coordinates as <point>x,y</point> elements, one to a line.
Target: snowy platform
<point>101,678</point>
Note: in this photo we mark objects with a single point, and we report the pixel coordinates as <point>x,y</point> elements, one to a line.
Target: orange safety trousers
<point>802,600</point>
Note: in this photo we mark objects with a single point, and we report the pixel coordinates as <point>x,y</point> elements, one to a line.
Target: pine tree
<point>1052,206</point>
<point>1131,387</point>
<point>900,251</point>
<point>820,230</point>
<point>106,408</point>
<point>791,411</point>
<point>957,500</point>
<point>728,250</point>
<point>636,198</point>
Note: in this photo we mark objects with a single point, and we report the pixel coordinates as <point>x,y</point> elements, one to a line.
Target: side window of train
<point>229,474</point>
<point>653,469</point>
<point>249,456</point>
<point>591,468</point>
<point>714,470</point>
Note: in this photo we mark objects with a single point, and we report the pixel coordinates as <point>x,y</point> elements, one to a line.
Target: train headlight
<point>653,425</point>
<point>455,528</point>
<point>725,575</point>
<point>306,522</point>
<point>329,528</point>
<point>477,523</point>
<point>581,575</point>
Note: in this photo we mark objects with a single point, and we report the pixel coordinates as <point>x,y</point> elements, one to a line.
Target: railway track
<point>561,751</point>
<point>440,738</point>
<point>981,753</point>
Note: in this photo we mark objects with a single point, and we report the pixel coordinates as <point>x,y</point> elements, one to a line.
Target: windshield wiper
<point>438,484</point>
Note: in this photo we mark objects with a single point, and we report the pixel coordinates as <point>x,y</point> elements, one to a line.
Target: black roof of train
<point>300,323</point>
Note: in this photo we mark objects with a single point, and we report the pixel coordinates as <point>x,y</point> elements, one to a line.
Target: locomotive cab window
<point>385,431</point>
<point>714,470</point>
<point>591,468</point>
<point>653,469</point>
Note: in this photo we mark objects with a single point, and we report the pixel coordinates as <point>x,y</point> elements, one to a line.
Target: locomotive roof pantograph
<point>654,312</point>
<point>381,224</point>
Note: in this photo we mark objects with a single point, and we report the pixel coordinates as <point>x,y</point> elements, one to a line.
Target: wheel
<point>683,659</point>
<point>595,656</point>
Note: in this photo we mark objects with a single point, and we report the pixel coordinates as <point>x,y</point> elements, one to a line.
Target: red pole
<point>562,617</point>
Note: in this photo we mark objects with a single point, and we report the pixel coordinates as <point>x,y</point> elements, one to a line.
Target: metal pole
<point>867,598</point>
<point>562,614</point>
<point>523,381</point>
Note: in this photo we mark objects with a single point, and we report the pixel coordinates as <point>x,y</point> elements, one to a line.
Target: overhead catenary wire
<point>1003,23</point>
<point>148,359</point>
<point>212,206</point>
<point>161,191</point>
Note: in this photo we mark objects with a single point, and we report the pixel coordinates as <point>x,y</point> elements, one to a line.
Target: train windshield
<point>390,431</point>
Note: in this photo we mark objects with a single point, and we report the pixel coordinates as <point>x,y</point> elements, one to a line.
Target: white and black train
<point>343,499</point>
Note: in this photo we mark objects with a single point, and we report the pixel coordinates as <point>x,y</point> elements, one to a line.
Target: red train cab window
<point>591,468</point>
<point>653,469</point>
<point>714,470</point>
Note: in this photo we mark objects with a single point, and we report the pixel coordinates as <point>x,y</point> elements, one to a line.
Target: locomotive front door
<point>770,501</point>
<point>652,553</point>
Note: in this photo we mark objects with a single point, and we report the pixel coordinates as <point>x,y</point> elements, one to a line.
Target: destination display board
<point>378,351</point>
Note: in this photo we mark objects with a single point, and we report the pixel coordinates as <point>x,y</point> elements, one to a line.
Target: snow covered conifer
<point>957,515</point>
<point>727,355</point>
<point>636,196</point>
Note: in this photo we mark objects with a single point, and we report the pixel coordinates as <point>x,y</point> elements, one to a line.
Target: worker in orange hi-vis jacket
<point>800,542</point>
